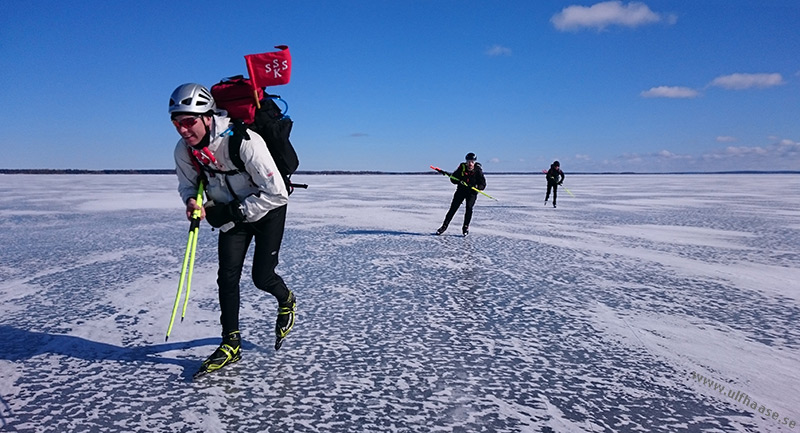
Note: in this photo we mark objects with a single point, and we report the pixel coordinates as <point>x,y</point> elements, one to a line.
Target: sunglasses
<point>186,122</point>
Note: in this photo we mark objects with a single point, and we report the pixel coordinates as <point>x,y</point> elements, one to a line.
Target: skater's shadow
<point>379,232</point>
<point>500,206</point>
<point>20,344</point>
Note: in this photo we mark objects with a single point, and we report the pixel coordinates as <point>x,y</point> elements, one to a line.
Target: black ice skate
<point>227,353</point>
<point>285,320</point>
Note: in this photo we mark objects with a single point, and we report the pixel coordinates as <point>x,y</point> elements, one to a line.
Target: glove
<point>219,215</point>
<point>561,182</point>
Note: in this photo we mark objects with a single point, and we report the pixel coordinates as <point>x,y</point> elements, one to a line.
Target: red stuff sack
<point>236,96</point>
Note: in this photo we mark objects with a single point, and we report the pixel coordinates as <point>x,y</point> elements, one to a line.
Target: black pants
<point>554,187</point>
<point>458,198</point>
<point>232,250</point>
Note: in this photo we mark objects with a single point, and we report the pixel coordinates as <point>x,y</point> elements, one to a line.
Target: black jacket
<point>553,175</point>
<point>472,178</point>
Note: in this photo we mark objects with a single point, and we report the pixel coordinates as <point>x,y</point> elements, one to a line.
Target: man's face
<point>191,127</point>
<point>470,164</point>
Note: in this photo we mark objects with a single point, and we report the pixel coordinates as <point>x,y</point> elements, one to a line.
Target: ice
<point>596,316</point>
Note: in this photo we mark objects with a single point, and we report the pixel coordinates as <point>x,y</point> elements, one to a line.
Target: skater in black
<point>553,181</point>
<point>471,173</point>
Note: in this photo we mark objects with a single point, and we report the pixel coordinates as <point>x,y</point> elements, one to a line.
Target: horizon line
<point>373,172</point>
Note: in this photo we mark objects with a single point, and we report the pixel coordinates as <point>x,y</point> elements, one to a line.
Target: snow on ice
<point>649,303</point>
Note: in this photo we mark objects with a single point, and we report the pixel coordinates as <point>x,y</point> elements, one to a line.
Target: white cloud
<point>725,139</point>
<point>669,92</point>
<point>605,14</point>
<point>747,81</point>
<point>744,150</point>
<point>781,154</point>
<point>498,50</point>
<point>666,154</point>
<point>774,154</point>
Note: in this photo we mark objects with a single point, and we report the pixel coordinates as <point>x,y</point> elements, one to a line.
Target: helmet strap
<point>206,140</point>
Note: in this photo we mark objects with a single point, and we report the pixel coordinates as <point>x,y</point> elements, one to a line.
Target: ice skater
<point>246,206</point>
<point>553,181</point>
<point>468,175</point>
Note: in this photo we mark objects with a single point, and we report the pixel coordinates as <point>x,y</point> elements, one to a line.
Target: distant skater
<point>553,181</point>
<point>470,173</point>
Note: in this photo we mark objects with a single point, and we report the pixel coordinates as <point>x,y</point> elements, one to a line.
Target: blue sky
<point>646,86</point>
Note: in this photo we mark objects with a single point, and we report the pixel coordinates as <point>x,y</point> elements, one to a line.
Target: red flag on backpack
<point>270,69</point>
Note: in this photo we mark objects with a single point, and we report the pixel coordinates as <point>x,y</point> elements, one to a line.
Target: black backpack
<point>270,122</point>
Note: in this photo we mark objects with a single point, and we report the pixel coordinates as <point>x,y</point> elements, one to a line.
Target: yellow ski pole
<point>442,172</point>
<point>568,191</point>
<point>196,230</point>
<point>188,262</point>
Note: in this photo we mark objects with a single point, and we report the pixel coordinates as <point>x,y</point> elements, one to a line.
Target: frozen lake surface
<point>609,314</point>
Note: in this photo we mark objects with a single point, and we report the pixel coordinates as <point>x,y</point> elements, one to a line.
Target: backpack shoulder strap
<point>197,166</point>
<point>234,148</point>
<point>235,143</point>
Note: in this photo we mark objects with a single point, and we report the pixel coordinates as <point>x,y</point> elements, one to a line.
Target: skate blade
<point>203,371</point>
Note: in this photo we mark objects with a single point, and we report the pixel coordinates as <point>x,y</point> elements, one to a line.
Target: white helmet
<point>191,98</point>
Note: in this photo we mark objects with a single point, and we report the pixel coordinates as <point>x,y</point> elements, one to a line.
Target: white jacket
<point>259,190</point>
